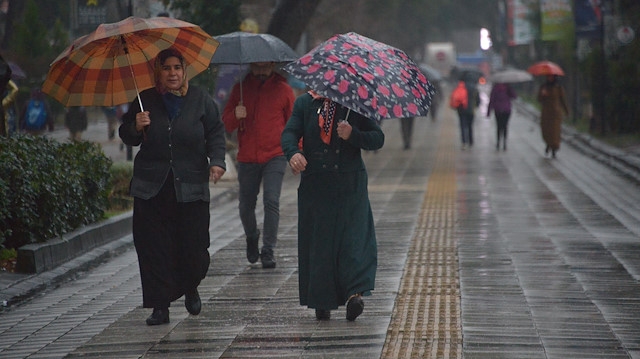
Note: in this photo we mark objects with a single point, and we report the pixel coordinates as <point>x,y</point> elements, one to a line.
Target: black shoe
<point>268,261</point>
<point>159,316</point>
<point>253,252</point>
<point>355,306</point>
<point>546,150</point>
<point>322,314</point>
<point>192,302</point>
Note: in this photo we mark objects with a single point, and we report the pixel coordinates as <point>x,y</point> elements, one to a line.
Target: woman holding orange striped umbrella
<point>182,148</point>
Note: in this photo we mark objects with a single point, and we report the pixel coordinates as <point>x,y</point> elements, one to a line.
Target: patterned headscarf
<point>160,59</point>
<point>326,115</point>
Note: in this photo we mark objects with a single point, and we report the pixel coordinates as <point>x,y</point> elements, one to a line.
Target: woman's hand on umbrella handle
<point>215,173</point>
<point>344,130</point>
<point>298,163</point>
<point>142,120</point>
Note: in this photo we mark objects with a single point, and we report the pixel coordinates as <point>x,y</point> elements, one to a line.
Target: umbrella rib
<point>135,83</point>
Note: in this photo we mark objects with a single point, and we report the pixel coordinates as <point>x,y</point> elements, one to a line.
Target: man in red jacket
<point>258,110</point>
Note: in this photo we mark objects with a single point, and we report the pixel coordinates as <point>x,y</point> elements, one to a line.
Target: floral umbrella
<point>366,76</point>
<point>111,65</point>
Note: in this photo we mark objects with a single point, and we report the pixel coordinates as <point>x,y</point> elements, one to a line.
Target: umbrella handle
<point>241,91</point>
<point>135,83</point>
<point>346,118</point>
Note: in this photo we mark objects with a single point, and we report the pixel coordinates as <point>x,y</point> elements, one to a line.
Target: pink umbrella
<point>366,76</point>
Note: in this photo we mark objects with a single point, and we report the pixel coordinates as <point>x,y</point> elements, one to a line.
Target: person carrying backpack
<point>465,98</point>
<point>36,114</point>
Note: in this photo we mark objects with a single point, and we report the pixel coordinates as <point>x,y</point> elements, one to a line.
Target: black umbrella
<point>16,72</point>
<point>244,47</point>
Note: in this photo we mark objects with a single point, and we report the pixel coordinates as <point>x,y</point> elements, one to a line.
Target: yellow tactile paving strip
<point>426,317</point>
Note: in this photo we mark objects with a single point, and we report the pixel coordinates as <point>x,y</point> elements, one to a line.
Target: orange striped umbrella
<point>111,65</point>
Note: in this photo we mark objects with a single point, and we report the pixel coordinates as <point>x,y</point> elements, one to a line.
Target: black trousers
<point>406,126</point>
<point>172,241</point>
<point>502,122</point>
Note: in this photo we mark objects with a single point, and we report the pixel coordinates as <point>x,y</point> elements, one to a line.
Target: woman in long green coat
<point>553,109</point>
<point>337,253</point>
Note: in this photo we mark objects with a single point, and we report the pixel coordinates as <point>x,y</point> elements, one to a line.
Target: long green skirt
<point>337,252</point>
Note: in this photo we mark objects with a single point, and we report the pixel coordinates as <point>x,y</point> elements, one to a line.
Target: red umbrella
<point>366,76</point>
<point>545,68</point>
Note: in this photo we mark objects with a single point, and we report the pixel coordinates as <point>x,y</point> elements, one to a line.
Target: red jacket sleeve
<point>228,114</point>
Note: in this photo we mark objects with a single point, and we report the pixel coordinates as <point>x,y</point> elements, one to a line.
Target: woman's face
<point>172,73</point>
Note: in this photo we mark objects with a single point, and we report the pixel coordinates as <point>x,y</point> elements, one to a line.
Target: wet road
<point>482,254</point>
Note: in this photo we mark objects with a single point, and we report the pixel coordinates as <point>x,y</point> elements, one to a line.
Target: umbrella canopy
<point>545,68</point>
<point>510,76</point>
<point>467,74</point>
<point>111,65</point>
<point>16,71</point>
<point>366,76</point>
<point>243,47</point>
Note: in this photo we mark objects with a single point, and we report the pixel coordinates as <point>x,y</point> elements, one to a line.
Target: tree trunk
<point>291,18</point>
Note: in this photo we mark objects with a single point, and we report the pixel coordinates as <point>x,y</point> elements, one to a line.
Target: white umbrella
<point>432,74</point>
<point>510,76</point>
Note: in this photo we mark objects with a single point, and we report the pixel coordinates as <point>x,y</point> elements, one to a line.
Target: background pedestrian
<point>464,99</point>
<point>111,113</point>
<point>406,128</point>
<point>9,108</point>
<point>500,103</point>
<point>75,120</point>
<point>36,114</point>
<point>553,108</point>
<point>259,114</point>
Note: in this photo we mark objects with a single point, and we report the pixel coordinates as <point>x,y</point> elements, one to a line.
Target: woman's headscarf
<point>160,59</point>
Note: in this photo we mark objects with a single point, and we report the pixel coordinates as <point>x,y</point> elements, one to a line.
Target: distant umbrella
<point>545,68</point>
<point>510,76</point>
<point>16,72</point>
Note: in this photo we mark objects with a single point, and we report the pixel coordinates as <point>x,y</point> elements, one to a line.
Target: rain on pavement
<point>482,254</point>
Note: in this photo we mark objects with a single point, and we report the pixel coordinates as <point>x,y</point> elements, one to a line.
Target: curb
<point>624,162</point>
<point>41,257</point>
<point>57,261</point>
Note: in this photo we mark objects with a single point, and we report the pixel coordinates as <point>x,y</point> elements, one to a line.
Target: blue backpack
<point>36,116</point>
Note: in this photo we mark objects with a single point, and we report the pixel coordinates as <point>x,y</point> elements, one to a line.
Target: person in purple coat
<point>500,103</point>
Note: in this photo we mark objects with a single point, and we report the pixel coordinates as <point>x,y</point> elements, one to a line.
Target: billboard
<point>520,29</point>
<point>556,19</point>
<point>588,18</point>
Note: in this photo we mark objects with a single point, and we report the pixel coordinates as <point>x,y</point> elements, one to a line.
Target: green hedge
<point>48,188</point>
<point>119,199</point>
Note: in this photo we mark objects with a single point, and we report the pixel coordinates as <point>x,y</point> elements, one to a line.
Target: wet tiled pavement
<point>482,254</point>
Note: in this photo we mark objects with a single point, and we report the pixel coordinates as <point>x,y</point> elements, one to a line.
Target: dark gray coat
<point>187,145</point>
